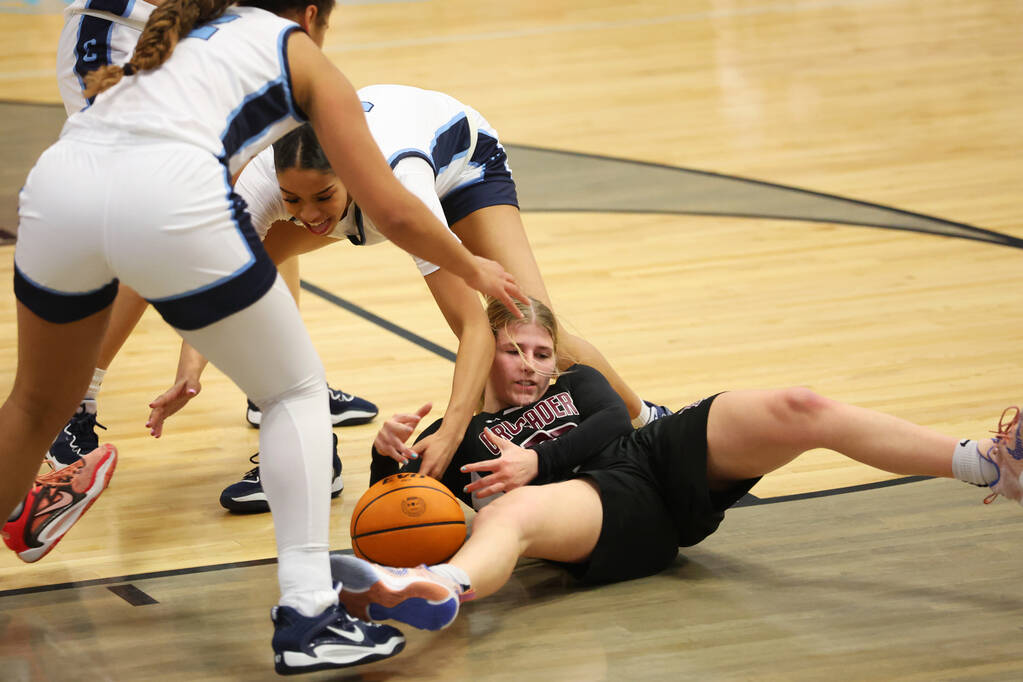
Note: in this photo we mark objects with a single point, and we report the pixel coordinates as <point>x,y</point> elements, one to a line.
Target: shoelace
<point>253,473</point>
<point>60,476</point>
<point>1004,427</point>
<point>339,396</point>
<point>1002,434</point>
<point>82,427</point>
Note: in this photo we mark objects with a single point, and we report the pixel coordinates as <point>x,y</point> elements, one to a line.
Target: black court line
<point>750,500</point>
<point>132,595</point>
<point>747,501</point>
<point>379,321</point>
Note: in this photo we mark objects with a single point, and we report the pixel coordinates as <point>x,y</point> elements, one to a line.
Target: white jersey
<point>418,131</point>
<point>226,89</point>
<point>131,13</point>
<point>96,33</point>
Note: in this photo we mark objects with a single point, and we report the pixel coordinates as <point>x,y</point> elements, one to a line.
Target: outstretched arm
<point>340,124</point>
<point>465,315</point>
<point>186,386</point>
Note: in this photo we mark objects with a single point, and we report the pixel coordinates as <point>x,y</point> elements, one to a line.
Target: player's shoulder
<point>579,373</point>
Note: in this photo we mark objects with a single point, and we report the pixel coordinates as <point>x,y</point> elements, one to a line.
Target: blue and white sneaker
<point>76,439</point>
<point>656,411</point>
<point>345,410</point>
<point>415,596</point>
<point>247,496</point>
<point>332,639</point>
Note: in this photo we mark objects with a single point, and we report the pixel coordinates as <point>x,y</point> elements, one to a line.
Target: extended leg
<point>55,362</point>
<point>750,433</point>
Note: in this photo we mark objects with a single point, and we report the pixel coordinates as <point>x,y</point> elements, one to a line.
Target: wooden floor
<point>913,107</point>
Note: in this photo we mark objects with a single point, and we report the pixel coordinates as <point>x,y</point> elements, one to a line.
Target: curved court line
<point>553,180</point>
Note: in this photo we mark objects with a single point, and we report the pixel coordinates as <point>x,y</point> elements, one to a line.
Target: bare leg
<point>560,522</point>
<point>751,433</point>
<point>55,363</point>
<point>127,311</point>
<point>497,233</point>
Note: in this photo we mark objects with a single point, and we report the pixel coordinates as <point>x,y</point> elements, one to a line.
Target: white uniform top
<point>131,13</point>
<point>226,89</point>
<point>409,126</point>
<point>96,33</point>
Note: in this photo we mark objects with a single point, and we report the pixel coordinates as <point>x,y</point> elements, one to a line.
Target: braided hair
<point>174,19</point>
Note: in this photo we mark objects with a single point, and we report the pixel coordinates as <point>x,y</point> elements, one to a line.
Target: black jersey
<point>569,427</point>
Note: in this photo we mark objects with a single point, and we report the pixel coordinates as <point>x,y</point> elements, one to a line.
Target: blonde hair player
<point>557,460</point>
<point>137,189</point>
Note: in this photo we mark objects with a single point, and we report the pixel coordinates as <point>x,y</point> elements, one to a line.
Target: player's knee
<point>312,386</point>
<point>511,509</point>
<point>799,407</point>
<point>803,401</point>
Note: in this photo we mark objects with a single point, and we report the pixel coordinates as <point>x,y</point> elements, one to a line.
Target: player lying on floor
<point>580,487</point>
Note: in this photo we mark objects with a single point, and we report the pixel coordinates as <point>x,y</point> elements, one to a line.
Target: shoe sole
<point>296,663</point>
<point>423,604</point>
<point>104,469</point>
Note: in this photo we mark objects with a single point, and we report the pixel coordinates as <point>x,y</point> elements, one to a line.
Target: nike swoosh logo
<point>358,636</point>
<point>963,443</point>
<point>65,500</point>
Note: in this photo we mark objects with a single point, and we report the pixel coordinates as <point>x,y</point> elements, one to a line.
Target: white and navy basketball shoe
<point>1006,453</point>
<point>345,410</point>
<point>656,411</point>
<point>247,496</point>
<point>333,639</point>
<point>415,596</point>
<point>76,439</point>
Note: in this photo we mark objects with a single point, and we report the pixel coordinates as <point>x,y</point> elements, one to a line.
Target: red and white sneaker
<point>57,501</point>
<point>415,596</point>
<point>1006,453</point>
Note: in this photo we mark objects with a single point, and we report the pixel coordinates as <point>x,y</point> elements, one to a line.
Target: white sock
<point>454,573</point>
<point>646,412</point>
<point>970,467</point>
<point>97,381</point>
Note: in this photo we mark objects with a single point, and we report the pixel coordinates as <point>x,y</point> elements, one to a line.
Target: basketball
<point>407,520</point>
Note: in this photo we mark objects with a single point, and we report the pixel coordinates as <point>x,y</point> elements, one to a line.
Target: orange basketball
<point>407,520</point>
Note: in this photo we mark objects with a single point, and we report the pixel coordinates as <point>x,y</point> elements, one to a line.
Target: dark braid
<point>166,25</point>
<point>300,149</point>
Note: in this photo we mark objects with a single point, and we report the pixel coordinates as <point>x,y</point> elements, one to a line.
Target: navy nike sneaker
<point>247,496</point>
<point>345,410</point>
<point>333,639</point>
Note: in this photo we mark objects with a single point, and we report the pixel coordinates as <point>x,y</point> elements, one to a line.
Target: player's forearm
<point>191,363</point>
<point>472,364</point>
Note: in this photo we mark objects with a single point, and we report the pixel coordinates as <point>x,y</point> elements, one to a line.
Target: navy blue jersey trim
<point>92,48</point>
<point>411,154</point>
<point>202,307</point>
<point>120,8</point>
<point>60,307</point>
<point>251,119</point>
<point>286,69</point>
<point>451,141</point>
<point>358,239</point>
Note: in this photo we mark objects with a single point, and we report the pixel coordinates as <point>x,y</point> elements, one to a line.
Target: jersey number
<point>206,31</point>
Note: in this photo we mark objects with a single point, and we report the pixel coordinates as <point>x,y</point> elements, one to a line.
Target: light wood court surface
<point>913,105</point>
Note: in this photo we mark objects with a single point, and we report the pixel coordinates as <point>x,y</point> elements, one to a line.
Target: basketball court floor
<point>721,194</point>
